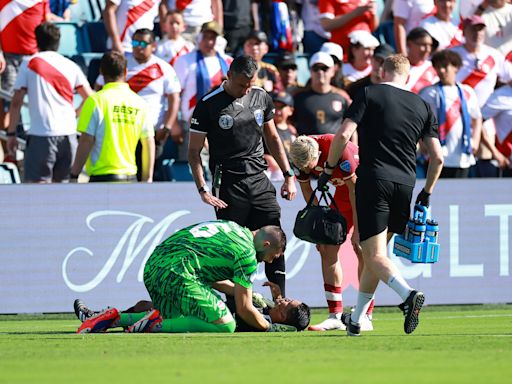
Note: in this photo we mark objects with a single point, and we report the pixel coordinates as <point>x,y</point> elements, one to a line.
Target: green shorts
<point>181,294</point>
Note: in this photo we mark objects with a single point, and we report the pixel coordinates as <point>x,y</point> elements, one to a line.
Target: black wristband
<point>10,134</point>
<point>167,129</point>
<point>328,166</point>
<point>288,173</point>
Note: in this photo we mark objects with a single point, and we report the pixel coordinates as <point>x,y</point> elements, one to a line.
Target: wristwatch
<point>288,173</point>
<point>204,188</point>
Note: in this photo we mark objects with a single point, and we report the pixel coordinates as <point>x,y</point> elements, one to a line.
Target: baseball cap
<point>332,49</point>
<point>365,38</point>
<point>212,26</point>
<point>283,97</point>
<point>286,61</point>
<point>472,21</point>
<point>258,35</point>
<point>321,58</point>
<point>383,51</point>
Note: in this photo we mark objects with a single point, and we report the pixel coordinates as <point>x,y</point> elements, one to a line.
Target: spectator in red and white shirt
<point>481,64</point>
<point>123,17</point>
<point>498,21</point>
<point>50,80</point>
<point>419,48</point>
<point>408,15</point>
<point>156,82</point>
<point>18,21</point>
<point>442,27</point>
<point>341,17</point>
<point>204,64</point>
<point>362,45</point>
<point>458,114</point>
<point>174,45</point>
<point>499,108</point>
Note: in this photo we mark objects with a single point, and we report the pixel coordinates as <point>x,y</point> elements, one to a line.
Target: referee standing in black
<point>235,118</point>
<point>390,121</point>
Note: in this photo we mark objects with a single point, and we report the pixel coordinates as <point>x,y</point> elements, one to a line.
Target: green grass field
<point>451,345</point>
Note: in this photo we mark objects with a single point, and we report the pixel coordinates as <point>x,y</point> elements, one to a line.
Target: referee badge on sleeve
<point>226,122</point>
<point>258,116</point>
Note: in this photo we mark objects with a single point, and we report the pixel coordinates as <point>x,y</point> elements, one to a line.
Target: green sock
<point>127,319</point>
<point>193,324</point>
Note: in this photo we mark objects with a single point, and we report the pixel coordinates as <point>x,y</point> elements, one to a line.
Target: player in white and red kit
<point>422,73</point>
<point>174,45</point>
<point>309,154</point>
<point>123,17</point>
<point>50,81</point>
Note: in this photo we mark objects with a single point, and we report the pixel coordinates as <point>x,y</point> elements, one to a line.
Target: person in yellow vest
<point>111,123</point>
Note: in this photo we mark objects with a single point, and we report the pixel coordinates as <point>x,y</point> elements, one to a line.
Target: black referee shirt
<point>234,128</point>
<point>390,123</point>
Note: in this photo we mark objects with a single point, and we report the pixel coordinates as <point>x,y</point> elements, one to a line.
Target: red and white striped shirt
<point>186,67</point>
<point>153,80</point>
<point>352,74</point>
<point>170,50</point>
<point>50,80</point>
<point>132,15</point>
<point>421,76</point>
<point>18,20</point>
<point>480,71</point>
<point>447,33</point>
<point>454,157</point>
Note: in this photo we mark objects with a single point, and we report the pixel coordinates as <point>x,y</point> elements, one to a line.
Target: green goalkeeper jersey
<point>210,251</point>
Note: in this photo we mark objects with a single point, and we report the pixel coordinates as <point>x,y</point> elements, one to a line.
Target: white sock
<point>400,286</point>
<point>363,303</point>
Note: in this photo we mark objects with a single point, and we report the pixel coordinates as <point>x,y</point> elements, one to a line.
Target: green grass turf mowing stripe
<point>471,344</point>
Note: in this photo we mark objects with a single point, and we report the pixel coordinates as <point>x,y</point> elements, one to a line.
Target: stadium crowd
<point>460,55</point>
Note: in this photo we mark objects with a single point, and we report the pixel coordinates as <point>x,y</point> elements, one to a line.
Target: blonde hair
<point>398,64</point>
<point>303,151</point>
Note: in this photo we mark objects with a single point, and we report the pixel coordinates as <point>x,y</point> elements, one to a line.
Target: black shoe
<point>353,329</point>
<point>411,309</point>
<point>82,311</point>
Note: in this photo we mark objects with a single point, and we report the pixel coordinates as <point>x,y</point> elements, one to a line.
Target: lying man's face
<point>280,313</point>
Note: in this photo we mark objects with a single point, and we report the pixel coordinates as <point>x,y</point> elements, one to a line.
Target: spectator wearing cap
<point>362,45</point>
<point>287,68</point>
<point>408,15</point>
<point>343,17</point>
<point>319,108</point>
<point>198,72</point>
<point>442,26</point>
<point>195,13</point>
<point>256,46</point>
<point>283,103</point>
<point>314,34</point>
<point>482,66</point>
<point>336,53</point>
<point>419,47</point>
<point>123,17</point>
<point>379,55</point>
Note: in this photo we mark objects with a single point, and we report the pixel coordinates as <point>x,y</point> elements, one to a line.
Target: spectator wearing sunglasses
<point>156,82</point>
<point>319,107</point>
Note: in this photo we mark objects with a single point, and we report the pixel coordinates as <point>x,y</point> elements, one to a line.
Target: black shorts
<point>251,200</point>
<point>381,204</point>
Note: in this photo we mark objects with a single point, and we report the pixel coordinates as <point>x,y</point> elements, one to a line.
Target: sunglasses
<point>140,43</point>
<point>320,68</point>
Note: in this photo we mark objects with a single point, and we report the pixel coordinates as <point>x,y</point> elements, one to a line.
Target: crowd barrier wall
<point>90,241</point>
